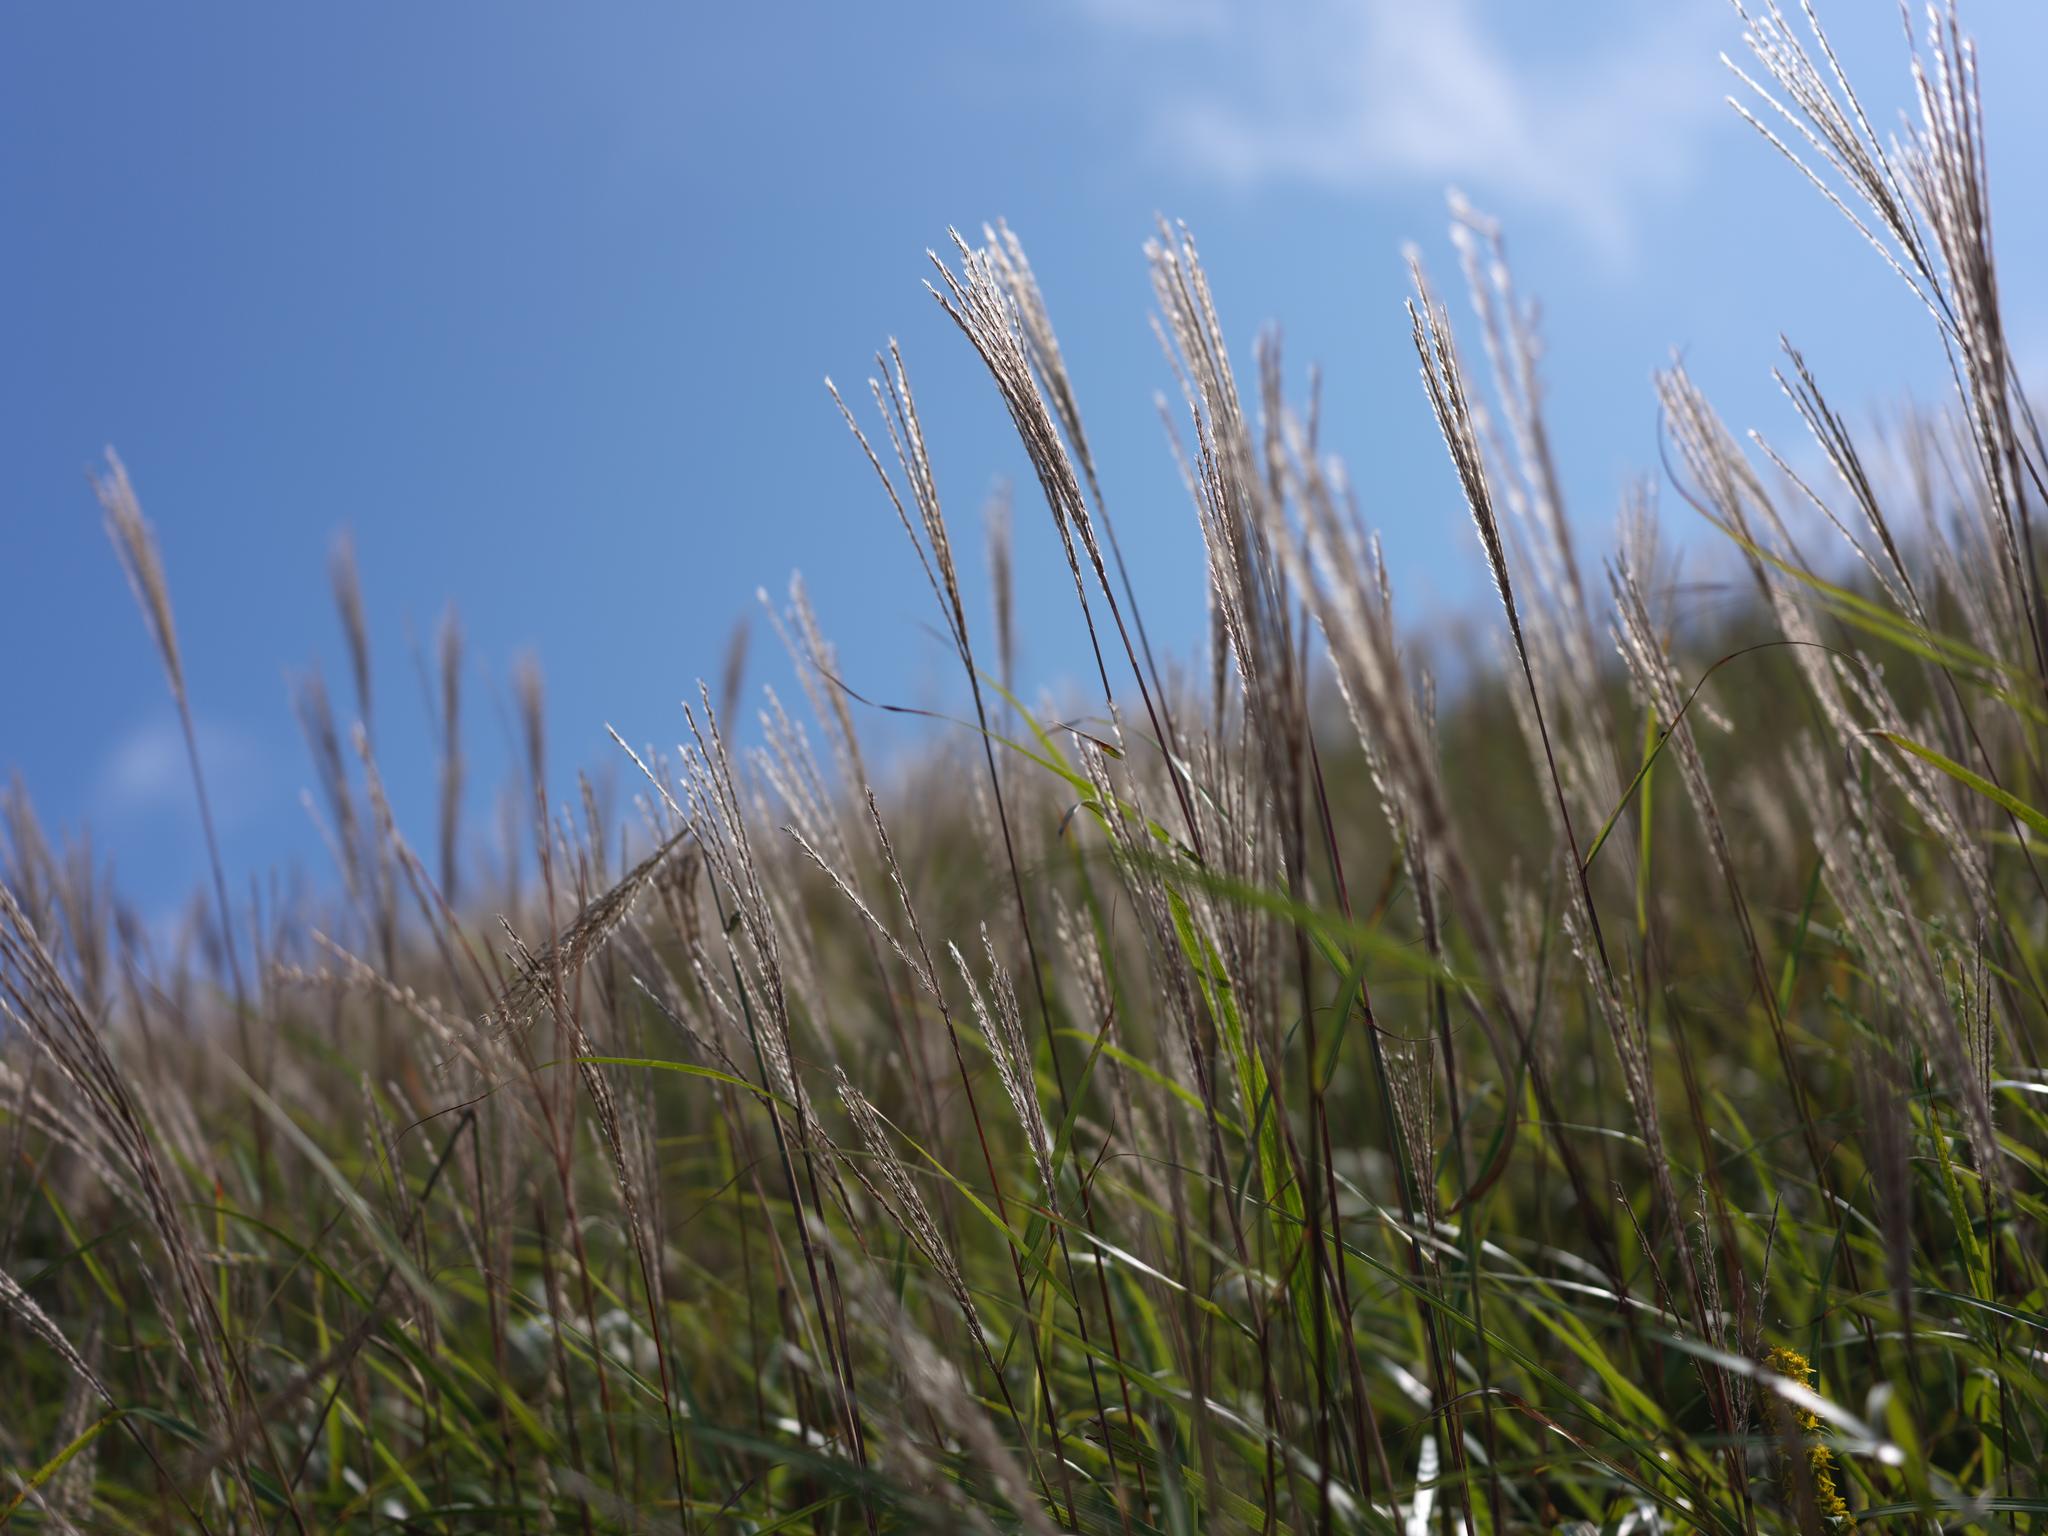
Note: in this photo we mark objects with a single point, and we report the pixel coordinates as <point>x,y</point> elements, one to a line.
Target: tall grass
<point>1606,1095</point>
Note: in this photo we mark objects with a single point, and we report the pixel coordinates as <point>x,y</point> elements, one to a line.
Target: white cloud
<point>1351,94</point>
<point>146,771</point>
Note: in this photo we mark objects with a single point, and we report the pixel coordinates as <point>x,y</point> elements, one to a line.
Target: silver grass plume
<point>37,1321</point>
<point>537,972</point>
<point>1411,1085</point>
<point>1002,1025</point>
<point>1926,211</point>
<point>1556,611</point>
<point>904,1204</point>
<point>937,1386</point>
<point>36,999</point>
<point>1868,888</point>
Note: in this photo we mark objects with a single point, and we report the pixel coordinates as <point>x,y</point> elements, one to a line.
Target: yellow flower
<point>1820,1461</point>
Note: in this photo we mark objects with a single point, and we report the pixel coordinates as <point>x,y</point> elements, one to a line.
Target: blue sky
<point>537,301</point>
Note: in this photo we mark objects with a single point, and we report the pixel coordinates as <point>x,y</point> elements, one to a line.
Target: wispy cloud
<point>146,772</point>
<point>1587,120</point>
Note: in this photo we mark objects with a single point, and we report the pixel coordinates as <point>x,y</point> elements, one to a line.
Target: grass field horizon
<point>1282,1092</point>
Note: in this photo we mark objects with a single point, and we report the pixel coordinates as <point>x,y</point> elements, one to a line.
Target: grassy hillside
<point>1605,1095</point>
